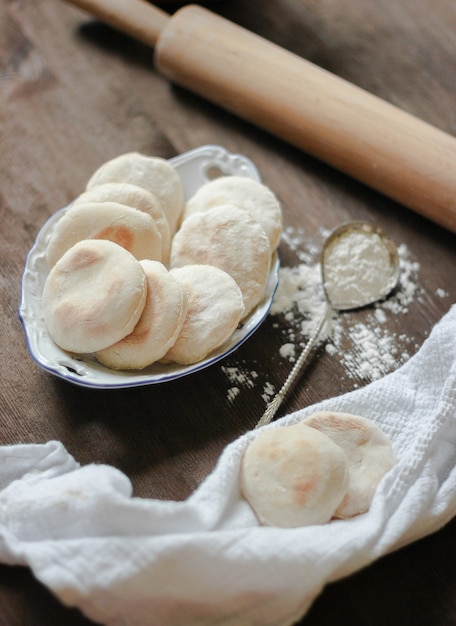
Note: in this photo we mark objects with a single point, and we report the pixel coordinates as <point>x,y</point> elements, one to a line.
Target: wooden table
<point>75,93</point>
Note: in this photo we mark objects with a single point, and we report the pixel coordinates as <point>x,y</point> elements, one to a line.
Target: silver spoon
<point>359,266</point>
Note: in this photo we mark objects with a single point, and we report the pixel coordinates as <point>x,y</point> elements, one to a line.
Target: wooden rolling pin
<point>356,132</point>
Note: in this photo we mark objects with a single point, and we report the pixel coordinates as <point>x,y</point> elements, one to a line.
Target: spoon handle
<point>272,407</point>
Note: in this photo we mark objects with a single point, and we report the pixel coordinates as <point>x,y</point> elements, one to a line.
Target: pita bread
<point>155,174</point>
<point>158,327</point>
<point>93,296</point>
<point>215,308</point>
<point>245,193</point>
<point>228,238</point>
<point>132,229</point>
<point>368,452</point>
<point>293,476</point>
<point>136,198</point>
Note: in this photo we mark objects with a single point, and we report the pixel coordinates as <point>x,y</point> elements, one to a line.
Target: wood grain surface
<point>75,93</point>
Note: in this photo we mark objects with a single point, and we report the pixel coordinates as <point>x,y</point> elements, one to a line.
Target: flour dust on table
<point>366,348</point>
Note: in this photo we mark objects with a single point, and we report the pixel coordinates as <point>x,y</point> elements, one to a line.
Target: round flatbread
<point>155,174</point>
<point>132,229</point>
<point>245,193</point>
<point>93,296</point>
<point>136,198</point>
<point>368,451</point>
<point>228,238</point>
<point>158,327</point>
<point>215,308</point>
<point>293,476</point>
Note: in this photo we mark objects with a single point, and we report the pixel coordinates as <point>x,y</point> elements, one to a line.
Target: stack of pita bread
<point>326,466</point>
<point>137,275</point>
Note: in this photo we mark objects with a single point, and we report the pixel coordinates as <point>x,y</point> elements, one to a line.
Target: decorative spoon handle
<point>280,395</point>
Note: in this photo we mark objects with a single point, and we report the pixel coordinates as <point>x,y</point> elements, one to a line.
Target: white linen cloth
<point>127,561</point>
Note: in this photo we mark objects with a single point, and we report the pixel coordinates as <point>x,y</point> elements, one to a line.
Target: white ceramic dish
<point>195,168</point>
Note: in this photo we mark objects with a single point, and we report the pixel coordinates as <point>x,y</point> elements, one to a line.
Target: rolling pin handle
<point>136,18</point>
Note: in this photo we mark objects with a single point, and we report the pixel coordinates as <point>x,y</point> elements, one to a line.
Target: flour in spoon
<point>357,269</point>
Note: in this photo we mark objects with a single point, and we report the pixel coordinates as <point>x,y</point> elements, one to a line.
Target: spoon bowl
<point>359,266</point>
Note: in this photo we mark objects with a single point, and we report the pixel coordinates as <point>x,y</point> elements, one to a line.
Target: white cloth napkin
<point>131,561</point>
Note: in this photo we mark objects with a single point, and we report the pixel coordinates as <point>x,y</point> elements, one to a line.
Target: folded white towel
<point>128,561</point>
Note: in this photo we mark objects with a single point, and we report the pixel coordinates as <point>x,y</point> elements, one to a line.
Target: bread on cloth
<point>215,308</point>
<point>93,296</point>
<point>158,327</point>
<point>368,452</point>
<point>293,476</point>
<point>132,229</point>
<point>228,238</point>
<point>153,173</point>
<point>245,193</point>
<point>136,198</point>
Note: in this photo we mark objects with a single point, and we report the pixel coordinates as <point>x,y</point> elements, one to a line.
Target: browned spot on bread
<point>336,423</point>
<point>302,490</point>
<point>273,451</point>
<point>67,312</point>
<point>119,234</point>
<point>84,258</point>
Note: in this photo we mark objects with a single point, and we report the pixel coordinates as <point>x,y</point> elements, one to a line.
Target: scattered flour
<point>380,315</point>
<point>366,349</point>
<point>300,297</point>
<point>374,352</point>
<point>232,393</point>
<point>268,392</point>
<point>371,350</point>
<point>441,293</point>
<point>288,351</point>
<point>239,377</point>
<point>246,379</point>
<point>408,287</point>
